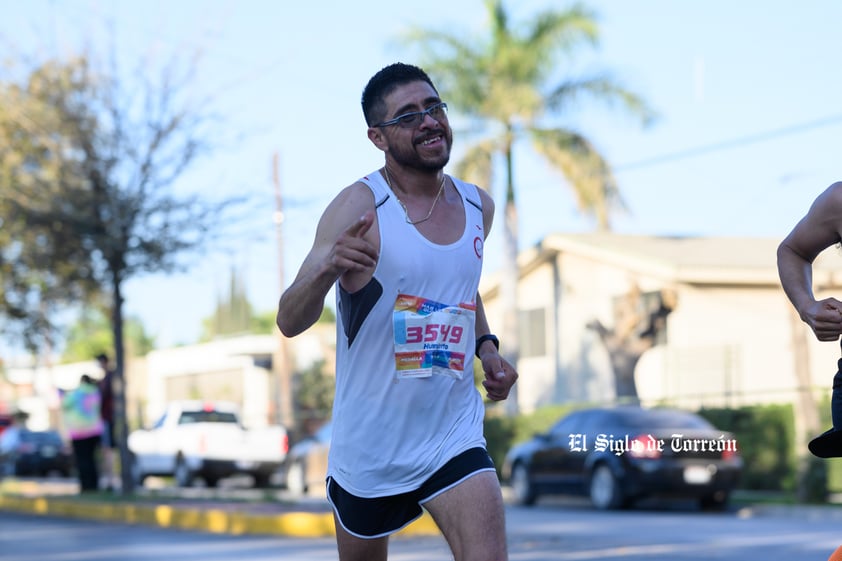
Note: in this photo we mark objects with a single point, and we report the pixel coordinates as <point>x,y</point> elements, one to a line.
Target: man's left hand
<point>500,376</point>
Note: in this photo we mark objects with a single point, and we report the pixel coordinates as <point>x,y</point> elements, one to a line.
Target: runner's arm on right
<point>818,230</point>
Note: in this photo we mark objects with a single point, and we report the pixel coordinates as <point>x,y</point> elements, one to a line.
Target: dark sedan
<point>37,453</point>
<point>619,455</point>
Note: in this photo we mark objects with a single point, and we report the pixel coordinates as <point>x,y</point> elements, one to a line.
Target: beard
<point>410,157</point>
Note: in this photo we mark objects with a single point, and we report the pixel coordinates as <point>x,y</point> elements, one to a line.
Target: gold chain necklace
<point>405,211</point>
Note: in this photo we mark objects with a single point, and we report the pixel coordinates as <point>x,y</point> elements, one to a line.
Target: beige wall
<point>727,343</point>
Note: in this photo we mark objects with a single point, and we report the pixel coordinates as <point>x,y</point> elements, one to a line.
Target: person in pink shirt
<point>81,415</point>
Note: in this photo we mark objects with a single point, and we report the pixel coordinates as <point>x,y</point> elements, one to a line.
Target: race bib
<point>431,337</point>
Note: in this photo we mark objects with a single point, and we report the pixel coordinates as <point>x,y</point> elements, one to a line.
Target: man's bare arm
<point>343,246</point>
<point>818,230</point>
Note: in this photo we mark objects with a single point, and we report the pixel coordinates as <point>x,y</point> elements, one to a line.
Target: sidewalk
<point>247,511</point>
<point>310,517</point>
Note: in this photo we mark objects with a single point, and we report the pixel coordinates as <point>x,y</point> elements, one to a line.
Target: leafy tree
<point>264,322</point>
<point>314,390</point>
<point>512,88</point>
<point>42,264</point>
<point>88,164</point>
<point>327,316</point>
<point>233,312</point>
<point>92,334</point>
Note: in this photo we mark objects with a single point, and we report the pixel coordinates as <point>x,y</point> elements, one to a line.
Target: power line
<point>733,143</point>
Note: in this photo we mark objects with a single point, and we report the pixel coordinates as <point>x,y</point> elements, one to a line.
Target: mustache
<point>430,135</point>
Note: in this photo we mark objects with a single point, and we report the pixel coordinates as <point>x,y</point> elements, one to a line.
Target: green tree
<point>92,162</point>
<point>264,322</point>
<point>314,391</point>
<point>92,334</point>
<point>43,265</point>
<point>233,314</point>
<point>512,87</point>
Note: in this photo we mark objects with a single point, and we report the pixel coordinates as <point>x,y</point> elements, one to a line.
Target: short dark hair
<point>102,357</point>
<point>383,83</point>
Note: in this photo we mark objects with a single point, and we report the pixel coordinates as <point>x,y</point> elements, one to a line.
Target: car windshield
<point>189,417</point>
<point>660,419</point>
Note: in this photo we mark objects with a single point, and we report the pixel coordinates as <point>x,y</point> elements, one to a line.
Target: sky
<point>747,97</point>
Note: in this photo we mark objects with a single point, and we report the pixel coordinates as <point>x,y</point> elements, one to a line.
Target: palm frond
<point>511,78</point>
<point>602,88</point>
<point>587,172</point>
<point>476,165</point>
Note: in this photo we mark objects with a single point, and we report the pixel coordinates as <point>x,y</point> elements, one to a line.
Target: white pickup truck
<point>206,439</point>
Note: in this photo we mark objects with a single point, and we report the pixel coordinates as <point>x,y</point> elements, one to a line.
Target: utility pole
<point>283,382</point>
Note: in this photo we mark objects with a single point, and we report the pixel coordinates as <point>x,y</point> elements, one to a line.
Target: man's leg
<point>836,399</point>
<point>109,478</point>
<point>85,451</point>
<point>829,443</point>
<point>472,518</point>
<point>352,548</point>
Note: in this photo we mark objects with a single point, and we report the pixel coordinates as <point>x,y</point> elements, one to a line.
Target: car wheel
<point>605,489</point>
<point>183,475</point>
<point>296,480</point>
<point>262,480</point>
<point>522,487</point>
<point>138,477</point>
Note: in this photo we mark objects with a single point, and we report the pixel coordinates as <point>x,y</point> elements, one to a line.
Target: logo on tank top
<point>478,247</point>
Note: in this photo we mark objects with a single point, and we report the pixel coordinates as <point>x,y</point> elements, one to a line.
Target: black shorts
<point>381,516</point>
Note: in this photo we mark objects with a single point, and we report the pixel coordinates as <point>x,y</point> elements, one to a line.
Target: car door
<point>145,447</point>
<point>559,450</point>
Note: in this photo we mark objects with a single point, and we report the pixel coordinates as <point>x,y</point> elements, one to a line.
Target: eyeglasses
<point>411,120</point>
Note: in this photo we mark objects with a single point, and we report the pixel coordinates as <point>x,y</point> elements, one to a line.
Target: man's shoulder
<point>830,201</point>
<point>356,198</point>
<point>835,190</point>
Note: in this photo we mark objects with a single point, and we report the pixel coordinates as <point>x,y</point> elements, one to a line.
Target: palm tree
<point>508,83</point>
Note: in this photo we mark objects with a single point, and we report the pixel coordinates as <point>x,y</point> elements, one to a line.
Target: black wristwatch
<point>487,337</point>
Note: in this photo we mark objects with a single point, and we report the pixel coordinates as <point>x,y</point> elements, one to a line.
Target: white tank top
<point>405,397</point>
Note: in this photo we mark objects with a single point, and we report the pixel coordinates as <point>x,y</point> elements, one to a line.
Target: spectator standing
<point>82,418</point>
<point>106,391</point>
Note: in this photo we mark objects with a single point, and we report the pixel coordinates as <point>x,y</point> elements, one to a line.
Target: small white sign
<point>697,475</point>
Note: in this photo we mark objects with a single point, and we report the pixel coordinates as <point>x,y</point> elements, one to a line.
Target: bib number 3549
<point>431,338</point>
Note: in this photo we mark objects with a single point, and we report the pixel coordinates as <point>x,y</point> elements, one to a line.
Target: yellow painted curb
<point>297,524</point>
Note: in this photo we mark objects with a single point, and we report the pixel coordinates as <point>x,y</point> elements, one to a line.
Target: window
<point>189,417</point>
<point>533,333</point>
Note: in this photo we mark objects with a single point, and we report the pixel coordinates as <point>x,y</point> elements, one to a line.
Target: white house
<point>731,339</point>
<point>243,369</point>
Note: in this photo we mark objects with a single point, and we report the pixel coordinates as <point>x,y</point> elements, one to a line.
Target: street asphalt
<point>242,512</point>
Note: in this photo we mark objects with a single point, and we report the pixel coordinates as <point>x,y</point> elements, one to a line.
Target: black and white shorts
<point>381,516</point>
